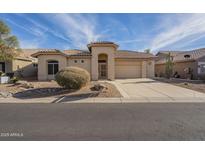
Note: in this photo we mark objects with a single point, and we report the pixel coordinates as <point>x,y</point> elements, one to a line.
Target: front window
<point>52,67</point>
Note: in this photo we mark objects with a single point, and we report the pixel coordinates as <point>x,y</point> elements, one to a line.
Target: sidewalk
<point>33,100</point>
<point>100,100</point>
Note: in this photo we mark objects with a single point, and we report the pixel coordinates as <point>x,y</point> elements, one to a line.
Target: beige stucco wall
<point>160,70</point>
<point>116,68</point>
<point>150,68</point>
<point>178,67</point>
<point>43,68</point>
<point>110,52</point>
<point>86,65</point>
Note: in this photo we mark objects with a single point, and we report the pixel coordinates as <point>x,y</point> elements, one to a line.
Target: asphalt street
<point>131,121</point>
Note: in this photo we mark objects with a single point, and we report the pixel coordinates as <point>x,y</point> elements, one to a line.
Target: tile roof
<point>45,51</point>
<point>118,54</point>
<point>75,52</point>
<point>180,56</point>
<point>132,54</point>
<point>102,42</point>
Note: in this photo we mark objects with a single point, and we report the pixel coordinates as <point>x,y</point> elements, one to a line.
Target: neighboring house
<point>102,60</point>
<point>24,65</point>
<point>187,64</point>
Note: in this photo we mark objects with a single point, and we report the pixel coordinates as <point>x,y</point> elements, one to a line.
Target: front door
<point>102,70</point>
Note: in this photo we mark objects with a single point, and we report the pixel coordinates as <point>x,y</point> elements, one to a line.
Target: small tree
<point>147,50</point>
<point>9,45</point>
<point>169,66</point>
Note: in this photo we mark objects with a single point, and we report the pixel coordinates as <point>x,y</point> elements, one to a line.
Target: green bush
<point>1,73</point>
<point>72,77</point>
<point>14,80</point>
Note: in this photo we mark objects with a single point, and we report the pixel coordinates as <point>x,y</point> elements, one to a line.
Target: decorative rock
<point>5,94</point>
<point>26,84</point>
<point>185,83</point>
<point>98,87</point>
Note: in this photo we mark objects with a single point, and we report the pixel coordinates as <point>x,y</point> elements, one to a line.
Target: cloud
<point>27,44</point>
<point>33,31</point>
<point>80,28</point>
<point>183,28</point>
<point>45,29</point>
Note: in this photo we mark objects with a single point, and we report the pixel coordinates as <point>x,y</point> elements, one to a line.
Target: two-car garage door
<point>128,69</point>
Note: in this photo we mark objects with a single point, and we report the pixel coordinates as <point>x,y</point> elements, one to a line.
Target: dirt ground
<point>51,88</point>
<point>193,85</point>
<point>198,87</point>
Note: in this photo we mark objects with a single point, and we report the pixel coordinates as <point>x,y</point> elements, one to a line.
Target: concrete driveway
<point>152,90</point>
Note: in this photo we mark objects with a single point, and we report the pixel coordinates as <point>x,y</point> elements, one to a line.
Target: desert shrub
<point>169,66</point>
<point>1,73</point>
<point>72,77</point>
<point>14,80</point>
<point>10,74</point>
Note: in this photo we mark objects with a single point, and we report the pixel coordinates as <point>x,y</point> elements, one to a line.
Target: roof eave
<point>48,52</point>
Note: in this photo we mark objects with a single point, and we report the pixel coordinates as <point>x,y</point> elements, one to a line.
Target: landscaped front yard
<point>189,84</point>
<point>38,89</point>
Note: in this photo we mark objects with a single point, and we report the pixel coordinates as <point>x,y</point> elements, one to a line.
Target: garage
<point>128,69</point>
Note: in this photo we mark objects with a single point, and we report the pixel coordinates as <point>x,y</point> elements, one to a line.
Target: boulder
<point>98,87</point>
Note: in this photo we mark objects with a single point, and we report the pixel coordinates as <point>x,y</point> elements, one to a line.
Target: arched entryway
<point>102,66</point>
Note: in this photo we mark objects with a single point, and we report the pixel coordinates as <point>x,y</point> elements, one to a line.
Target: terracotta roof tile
<point>132,54</point>
<point>75,52</point>
<point>118,54</point>
<point>180,56</point>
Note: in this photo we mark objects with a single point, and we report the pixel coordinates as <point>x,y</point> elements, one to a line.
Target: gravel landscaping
<point>36,89</point>
<point>197,85</point>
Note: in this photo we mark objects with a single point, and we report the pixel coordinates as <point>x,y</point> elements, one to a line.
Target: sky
<point>130,31</point>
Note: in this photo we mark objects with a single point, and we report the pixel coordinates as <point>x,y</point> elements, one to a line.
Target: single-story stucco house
<point>23,65</point>
<point>187,64</point>
<point>102,60</point>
